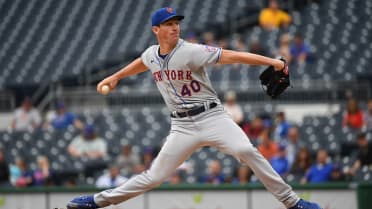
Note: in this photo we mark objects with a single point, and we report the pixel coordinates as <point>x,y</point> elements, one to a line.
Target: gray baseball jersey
<point>181,76</point>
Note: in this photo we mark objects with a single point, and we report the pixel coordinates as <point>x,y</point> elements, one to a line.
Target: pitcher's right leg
<point>177,148</point>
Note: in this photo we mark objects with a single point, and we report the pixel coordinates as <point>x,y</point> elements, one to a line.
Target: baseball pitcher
<point>197,116</point>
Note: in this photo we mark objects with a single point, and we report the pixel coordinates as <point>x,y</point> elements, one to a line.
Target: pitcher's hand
<point>109,81</point>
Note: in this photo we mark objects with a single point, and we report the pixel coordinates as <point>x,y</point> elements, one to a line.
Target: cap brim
<point>178,17</point>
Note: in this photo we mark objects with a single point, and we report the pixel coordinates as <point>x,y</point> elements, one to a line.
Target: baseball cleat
<point>303,204</point>
<point>82,202</point>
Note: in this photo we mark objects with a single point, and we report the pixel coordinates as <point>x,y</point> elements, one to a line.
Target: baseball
<point>105,89</point>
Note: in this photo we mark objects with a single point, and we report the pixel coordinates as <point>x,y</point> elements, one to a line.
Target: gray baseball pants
<point>211,128</point>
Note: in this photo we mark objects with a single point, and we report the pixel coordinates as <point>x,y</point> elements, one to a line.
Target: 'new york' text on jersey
<point>181,77</point>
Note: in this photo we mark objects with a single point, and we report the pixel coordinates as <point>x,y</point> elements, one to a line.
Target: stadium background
<point>58,50</point>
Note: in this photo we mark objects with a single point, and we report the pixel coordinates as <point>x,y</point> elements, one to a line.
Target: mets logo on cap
<point>169,10</point>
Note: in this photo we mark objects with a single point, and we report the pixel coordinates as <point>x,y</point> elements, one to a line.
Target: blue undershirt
<point>161,55</point>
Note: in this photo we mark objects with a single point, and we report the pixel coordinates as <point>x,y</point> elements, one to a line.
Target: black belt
<point>192,112</point>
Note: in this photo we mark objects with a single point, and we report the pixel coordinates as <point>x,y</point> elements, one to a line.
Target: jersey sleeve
<point>146,56</point>
<point>203,55</point>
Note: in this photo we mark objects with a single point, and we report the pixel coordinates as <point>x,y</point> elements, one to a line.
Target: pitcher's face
<point>168,31</point>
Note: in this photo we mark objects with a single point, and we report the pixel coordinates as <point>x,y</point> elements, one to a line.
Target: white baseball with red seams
<point>182,80</point>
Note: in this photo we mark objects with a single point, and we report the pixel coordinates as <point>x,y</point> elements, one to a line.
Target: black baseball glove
<point>275,82</point>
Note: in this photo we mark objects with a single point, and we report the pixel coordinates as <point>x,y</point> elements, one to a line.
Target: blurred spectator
<point>267,147</point>
<point>233,108</point>
<point>70,182</point>
<point>110,179</point>
<point>127,160</point>
<point>353,118</point>
<point>209,39</point>
<point>238,43</point>
<point>284,47</point>
<point>321,170</point>
<point>61,118</point>
<point>293,144</point>
<point>281,127</point>
<point>273,17</point>
<point>337,174</point>
<point>192,38</point>
<point>21,175</point>
<point>88,145</point>
<point>26,117</point>
<point>139,169</point>
<point>42,175</point>
<point>214,175</point>
<point>14,172</point>
<point>254,129</point>
<point>256,48</point>
<point>224,43</point>
<point>175,178</point>
<point>299,50</point>
<point>242,175</point>
<point>364,154</point>
<point>267,121</point>
<point>4,171</point>
<point>148,156</point>
<point>280,162</point>
<point>368,116</point>
<point>301,163</point>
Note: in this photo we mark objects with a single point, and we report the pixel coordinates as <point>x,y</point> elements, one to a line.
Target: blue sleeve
<point>71,117</point>
<point>202,179</point>
<point>286,169</point>
<point>292,50</point>
<point>28,174</point>
<point>309,174</point>
<point>222,178</point>
<point>306,48</point>
<point>286,129</point>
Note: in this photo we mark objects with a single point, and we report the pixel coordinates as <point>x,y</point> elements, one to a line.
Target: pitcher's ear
<point>155,29</point>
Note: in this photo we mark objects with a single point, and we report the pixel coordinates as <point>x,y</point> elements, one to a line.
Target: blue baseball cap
<point>89,130</point>
<point>60,105</point>
<point>163,14</point>
<point>282,147</point>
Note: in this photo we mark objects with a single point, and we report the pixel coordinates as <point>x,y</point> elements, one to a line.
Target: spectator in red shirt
<point>353,118</point>
<point>254,129</point>
<point>267,147</point>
